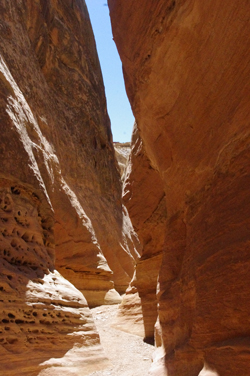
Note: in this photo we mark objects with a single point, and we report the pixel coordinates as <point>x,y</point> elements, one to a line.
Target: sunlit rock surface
<point>129,316</point>
<point>122,152</point>
<point>46,327</point>
<point>60,192</point>
<point>187,72</point>
<point>53,110</point>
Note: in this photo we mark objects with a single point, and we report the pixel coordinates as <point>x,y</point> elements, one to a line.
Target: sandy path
<point>128,354</point>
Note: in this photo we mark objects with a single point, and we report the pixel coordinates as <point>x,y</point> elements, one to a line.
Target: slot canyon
<point>159,229</point>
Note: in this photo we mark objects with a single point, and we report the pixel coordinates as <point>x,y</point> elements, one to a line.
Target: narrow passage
<point>128,354</point>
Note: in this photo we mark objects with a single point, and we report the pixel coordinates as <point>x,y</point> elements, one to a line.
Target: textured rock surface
<point>129,316</point>
<point>53,110</point>
<point>46,327</point>
<point>122,152</point>
<point>187,72</point>
<point>58,186</point>
<point>144,197</point>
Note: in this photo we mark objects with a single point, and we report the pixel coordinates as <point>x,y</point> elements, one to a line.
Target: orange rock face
<point>187,73</point>
<point>54,108</point>
<point>147,208</point>
<point>60,192</point>
<point>46,327</point>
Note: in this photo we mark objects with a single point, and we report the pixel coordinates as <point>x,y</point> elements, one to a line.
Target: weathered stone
<point>187,71</point>
<point>61,138</point>
<point>122,152</point>
<point>146,206</point>
<point>60,191</point>
<point>129,317</point>
<point>46,326</point>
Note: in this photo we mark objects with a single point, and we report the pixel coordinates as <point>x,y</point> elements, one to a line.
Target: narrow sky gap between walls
<point>122,119</point>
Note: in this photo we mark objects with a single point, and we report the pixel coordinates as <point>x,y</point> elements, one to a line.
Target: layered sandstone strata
<point>60,191</point>
<point>187,73</point>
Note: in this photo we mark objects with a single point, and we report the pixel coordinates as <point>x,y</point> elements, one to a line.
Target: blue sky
<point>119,109</point>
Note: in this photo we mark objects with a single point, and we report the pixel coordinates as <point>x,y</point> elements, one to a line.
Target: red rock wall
<point>147,209</point>
<point>187,72</point>
<point>49,50</point>
<point>60,192</point>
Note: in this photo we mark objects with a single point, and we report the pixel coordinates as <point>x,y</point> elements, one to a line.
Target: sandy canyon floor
<point>128,354</point>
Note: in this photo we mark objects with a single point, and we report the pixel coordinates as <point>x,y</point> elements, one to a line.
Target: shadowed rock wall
<point>187,71</point>
<point>60,191</point>
<point>144,197</point>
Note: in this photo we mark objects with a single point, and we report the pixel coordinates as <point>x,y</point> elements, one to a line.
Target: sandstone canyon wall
<point>60,192</point>
<point>187,72</point>
<point>143,195</point>
<point>122,152</point>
